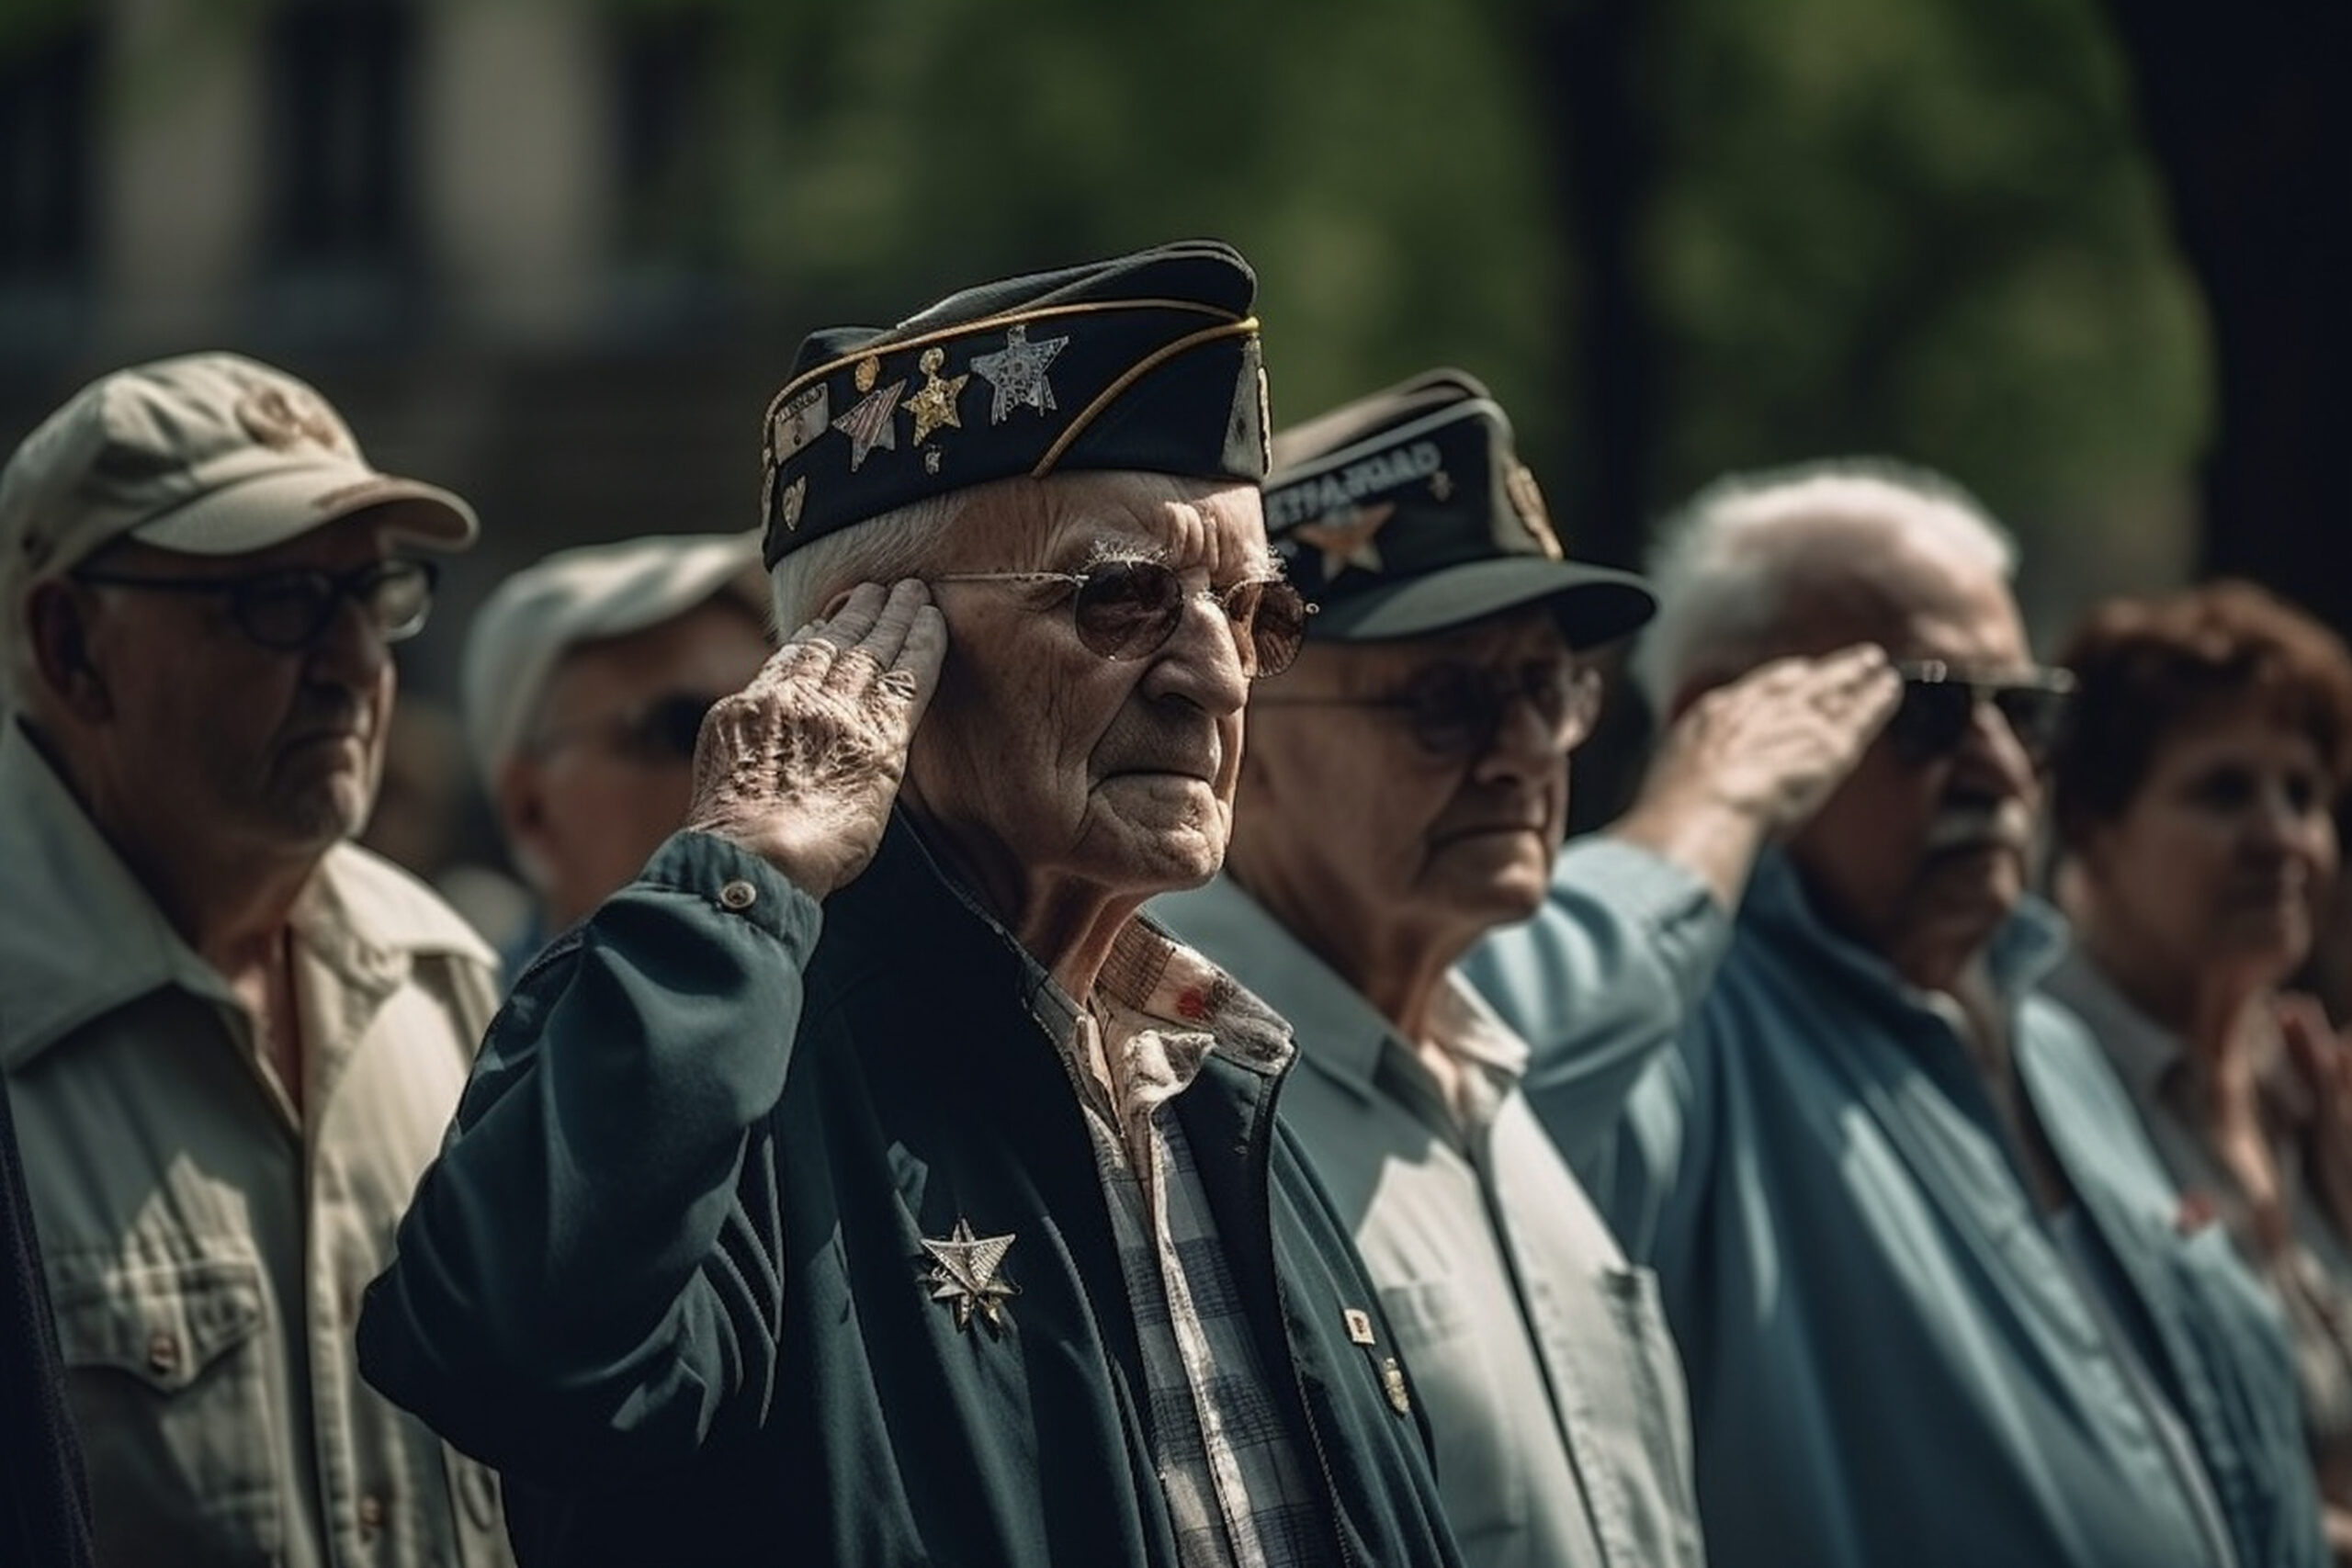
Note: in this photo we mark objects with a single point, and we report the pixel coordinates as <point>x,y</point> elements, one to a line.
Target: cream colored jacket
<point>205,1250</point>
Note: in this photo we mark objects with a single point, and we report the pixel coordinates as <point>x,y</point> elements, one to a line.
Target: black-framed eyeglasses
<point>290,609</point>
<point>1128,609</point>
<point>1939,703</point>
<point>663,729</point>
<point>1457,710</point>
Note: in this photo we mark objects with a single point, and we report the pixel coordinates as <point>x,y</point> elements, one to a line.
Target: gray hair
<point>1727,566</point>
<point>903,542</point>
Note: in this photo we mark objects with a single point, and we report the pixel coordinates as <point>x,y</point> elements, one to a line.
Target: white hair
<point>902,542</point>
<point>1728,565</point>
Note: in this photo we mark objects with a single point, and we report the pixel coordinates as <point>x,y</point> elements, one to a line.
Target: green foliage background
<point>1925,227</point>
<point>1919,227</point>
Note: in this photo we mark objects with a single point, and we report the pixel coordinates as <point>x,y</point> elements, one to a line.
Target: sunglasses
<point>1457,710</point>
<point>1128,609</point>
<point>1940,703</point>
<point>658,732</point>
<point>291,610</point>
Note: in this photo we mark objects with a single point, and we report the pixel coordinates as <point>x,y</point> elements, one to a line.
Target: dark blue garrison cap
<point>1408,512</point>
<point>1147,362</point>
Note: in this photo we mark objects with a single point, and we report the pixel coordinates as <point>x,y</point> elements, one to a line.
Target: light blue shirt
<point>1891,1361</point>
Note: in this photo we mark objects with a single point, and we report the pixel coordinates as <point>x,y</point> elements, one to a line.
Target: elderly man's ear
<point>59,617</point>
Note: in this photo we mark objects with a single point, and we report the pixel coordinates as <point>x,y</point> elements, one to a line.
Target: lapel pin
<point>963,1273</point>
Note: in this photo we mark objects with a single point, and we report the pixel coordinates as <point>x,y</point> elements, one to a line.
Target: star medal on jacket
<point>963,1272</point>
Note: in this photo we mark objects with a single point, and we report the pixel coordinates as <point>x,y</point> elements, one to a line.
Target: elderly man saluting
<point>1939,1303</point>
<point>863,1186</point>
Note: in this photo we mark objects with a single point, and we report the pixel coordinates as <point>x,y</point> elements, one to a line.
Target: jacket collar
<point>87,938</point>
<point>906,898</point>
<point>2023,949</point>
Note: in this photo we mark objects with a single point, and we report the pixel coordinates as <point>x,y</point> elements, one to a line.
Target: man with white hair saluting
<point>1926,1277</point>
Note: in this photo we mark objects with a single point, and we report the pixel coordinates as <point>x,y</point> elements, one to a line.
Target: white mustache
<point>2005,825</point>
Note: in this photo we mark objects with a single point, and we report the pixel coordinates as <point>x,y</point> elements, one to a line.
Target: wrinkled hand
<point>1775,743</point>
<point>800,766</point>
<point>1750,760</point>
<point>2323,1058</point>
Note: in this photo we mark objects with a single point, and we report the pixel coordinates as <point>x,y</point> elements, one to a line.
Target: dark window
<point>665,73</point>
<point>48,98</point>
<point>340,76</point>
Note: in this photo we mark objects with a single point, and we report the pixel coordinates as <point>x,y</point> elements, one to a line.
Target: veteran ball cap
<point>1147,362</point>
<point>208,454</point>
<point>1408,512</point>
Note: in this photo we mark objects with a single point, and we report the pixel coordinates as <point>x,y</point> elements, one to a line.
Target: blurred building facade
<point>472,224</point>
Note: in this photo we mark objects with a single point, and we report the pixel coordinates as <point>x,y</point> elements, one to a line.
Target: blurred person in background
<point>867,1183</point>
<point>1921,1263</point>
<point>2195,800</point>
<point>232,1039</point>
<point>585,680</point>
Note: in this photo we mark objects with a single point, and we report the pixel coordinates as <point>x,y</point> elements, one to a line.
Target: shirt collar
<point>2145,1055</point>
<point>89,939</point>
<point>2023,949</point>
<point>1342,1033</point>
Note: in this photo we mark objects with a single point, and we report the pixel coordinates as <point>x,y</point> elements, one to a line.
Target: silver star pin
<point>1017,371</point>
<point>963,1271</point>
<point>871,424</point>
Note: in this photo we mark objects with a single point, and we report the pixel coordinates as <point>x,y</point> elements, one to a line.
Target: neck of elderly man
<point>1386,860</point>
<point>1061,788</point>
<point>220,771</point>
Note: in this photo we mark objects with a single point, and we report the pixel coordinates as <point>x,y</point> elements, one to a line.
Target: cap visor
<point>275,507</point>
<point>1594,604</point>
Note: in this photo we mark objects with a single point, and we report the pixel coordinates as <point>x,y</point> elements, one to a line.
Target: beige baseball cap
<point>209,453</point>
<point>580,595</point>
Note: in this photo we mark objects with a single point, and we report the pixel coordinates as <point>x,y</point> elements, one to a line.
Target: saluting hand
<point>1750,760</point>
<point>800,766</point>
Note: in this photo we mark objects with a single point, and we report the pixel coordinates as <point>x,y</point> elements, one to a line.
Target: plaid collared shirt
<point>1238,1492</point>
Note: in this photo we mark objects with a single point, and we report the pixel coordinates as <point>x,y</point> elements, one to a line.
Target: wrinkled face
<point>206,732</point>
<point>606,772</point>
<point>1911,857</point>
<point>1044,762</point>
<point>1354,817</point>
<point>2222,856</point>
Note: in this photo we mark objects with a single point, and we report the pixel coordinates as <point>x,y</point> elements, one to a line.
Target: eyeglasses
<point>291,610</point>
<point>1457,710</point>
<point>663,731</point>
<point>1939,703</point>
<point>1128,609</point>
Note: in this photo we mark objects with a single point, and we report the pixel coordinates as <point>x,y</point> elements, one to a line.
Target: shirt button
<point>738,896</point>
<point>163,1351</point>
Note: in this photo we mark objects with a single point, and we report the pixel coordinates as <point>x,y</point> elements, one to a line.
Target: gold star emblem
<point>1346,537</point>
<point>935,405</point>
<point>963,1271</point>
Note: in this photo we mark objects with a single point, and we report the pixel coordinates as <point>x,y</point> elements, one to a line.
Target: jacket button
<point>738,896</point>
<point>163,1351</point>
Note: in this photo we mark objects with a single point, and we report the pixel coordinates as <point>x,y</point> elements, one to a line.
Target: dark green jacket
<point>667,1271</point>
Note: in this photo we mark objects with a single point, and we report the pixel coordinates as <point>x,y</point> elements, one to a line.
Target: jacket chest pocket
<point>171,1387</point>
